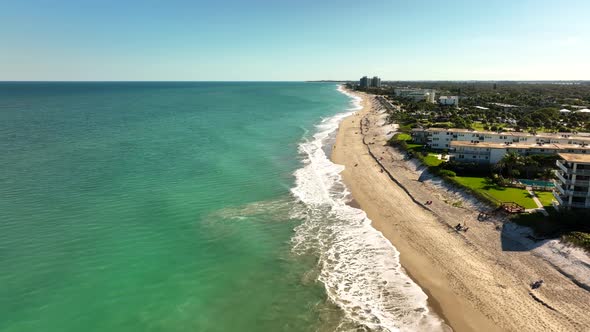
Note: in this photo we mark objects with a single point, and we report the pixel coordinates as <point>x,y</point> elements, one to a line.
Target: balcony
<point>581,172</point>
<point>560,189</point>
<point>559,198</point>
<point>578,193</point>
<point>562,166</point>
<point>564,181</point>
<point>560,177</point>
<point>477,153</point>
<point>580,205</point>
<point>568,170</point>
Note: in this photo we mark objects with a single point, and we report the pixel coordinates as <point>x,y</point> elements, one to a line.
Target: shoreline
<point>472,282</point>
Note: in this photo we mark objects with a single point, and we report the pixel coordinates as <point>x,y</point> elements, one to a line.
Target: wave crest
<point>359,267</point>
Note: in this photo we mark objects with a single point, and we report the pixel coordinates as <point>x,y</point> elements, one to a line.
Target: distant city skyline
<point>232,40</point>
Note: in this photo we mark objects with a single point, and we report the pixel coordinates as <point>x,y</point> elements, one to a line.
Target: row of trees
<point>539,105</point>
<point>513,165</point>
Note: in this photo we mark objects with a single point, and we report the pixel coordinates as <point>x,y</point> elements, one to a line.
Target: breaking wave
<point>358,266</point>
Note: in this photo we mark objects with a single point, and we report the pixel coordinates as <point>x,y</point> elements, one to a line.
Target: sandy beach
<point>478,280</point>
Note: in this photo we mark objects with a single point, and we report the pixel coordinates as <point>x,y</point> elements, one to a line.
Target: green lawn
<point>415,147</point>
<point>432,160</point>
<point>546,197</point>
<point>496,193</point>
<point>403,137</point>
<point>442,124</point>
<point>477,126</point>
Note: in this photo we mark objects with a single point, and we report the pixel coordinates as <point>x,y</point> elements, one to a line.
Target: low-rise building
<point>449,100</point>
<point>505,107</point>
<point>440,138</point>
<point>491,153</point>
<point>427,95</point>
<point>572,187</point>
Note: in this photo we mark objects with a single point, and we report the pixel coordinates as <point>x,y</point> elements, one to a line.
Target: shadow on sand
<point>518,238</point>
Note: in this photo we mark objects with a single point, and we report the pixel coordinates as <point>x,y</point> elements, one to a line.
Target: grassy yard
<point>432,160</point>
<point>492,191</point>
<point>546,197</point>
<point>403,137</point>
<point>477,126</point>
<point>415,147</point>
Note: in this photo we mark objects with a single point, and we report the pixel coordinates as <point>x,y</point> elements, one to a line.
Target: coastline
<point>472,281</point>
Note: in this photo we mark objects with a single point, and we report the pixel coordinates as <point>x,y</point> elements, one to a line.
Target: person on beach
<point>537,284</point>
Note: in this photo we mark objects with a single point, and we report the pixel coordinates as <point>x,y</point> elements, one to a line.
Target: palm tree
<point>510,161</point>
<point>547,174</point>
<point>529,163</point>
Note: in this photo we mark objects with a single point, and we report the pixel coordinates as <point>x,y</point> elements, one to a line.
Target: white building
<point>572,187</point>
<point>491,153</point>
<point>486,147</point>
<point>427,95</point>
<point>505,107</point>
<point>440,138</point>
<point>449,100</point>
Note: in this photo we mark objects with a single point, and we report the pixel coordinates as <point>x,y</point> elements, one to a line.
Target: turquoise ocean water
<point>184,207</point>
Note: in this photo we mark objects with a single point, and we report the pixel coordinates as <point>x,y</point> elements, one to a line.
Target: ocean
<point>187,206</point>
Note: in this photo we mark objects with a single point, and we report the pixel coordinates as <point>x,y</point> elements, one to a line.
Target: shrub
<point>447,173</point>
<point>578,238</point>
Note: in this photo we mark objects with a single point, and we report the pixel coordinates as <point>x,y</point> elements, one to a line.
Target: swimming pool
<point>536,183</point>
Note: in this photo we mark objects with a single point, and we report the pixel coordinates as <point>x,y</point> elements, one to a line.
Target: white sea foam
<point>358,266</point>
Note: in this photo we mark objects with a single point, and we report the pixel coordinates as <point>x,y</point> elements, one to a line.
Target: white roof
<point>481,108</point>
<point>585,110</point>
<point>564,110</point>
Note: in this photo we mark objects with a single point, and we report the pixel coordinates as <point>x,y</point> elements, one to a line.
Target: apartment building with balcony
<point>572,186</point>
<point>440,138</point>
<point>491,153</point>
<point>427,95</point>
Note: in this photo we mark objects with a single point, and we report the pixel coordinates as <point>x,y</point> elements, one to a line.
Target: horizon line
<point>288,81</point>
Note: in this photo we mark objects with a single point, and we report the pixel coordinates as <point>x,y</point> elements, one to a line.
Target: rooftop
<point>575,157</point>
<point>583,136</point>
<point>548,146</point>
<point>504,105</point>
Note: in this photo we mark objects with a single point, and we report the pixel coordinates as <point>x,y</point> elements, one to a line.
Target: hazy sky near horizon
<point>294,40</point>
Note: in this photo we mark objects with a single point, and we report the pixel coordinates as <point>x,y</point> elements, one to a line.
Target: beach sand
<point>477,280</point>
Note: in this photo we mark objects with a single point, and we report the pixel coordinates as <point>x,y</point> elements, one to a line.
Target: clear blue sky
<point>294,40</point>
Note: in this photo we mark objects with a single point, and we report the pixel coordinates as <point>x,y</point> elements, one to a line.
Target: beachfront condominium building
<point>449,101</point>
<point>491,153</point>
<point>440,138</point>
<point>375,82</point>
<point>364,82</point>
<point>415,94</point>
<point>487,147</point>
<point>572,186</point>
